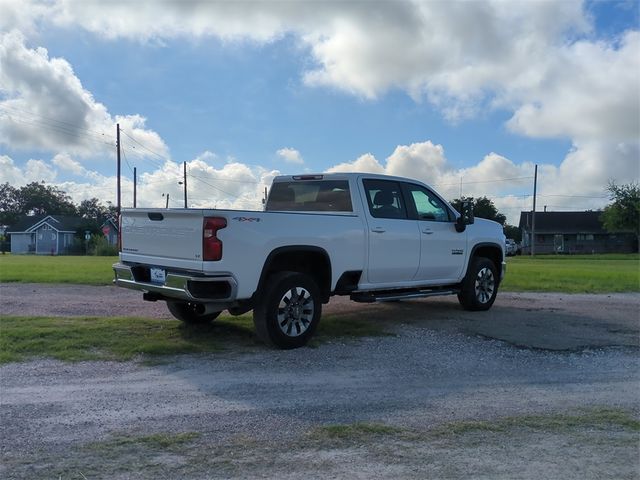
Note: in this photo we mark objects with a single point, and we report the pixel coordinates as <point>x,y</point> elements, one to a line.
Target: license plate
<point>157,275</point>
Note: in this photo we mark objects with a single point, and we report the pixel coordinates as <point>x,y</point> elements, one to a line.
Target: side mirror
<point>466,217</point>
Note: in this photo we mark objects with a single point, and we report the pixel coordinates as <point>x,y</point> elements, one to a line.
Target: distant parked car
<point>512,248</point>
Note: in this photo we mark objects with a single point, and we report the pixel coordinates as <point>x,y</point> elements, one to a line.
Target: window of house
<point>585,236</point>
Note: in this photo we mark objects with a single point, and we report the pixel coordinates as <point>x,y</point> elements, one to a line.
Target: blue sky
<point>466,101</point>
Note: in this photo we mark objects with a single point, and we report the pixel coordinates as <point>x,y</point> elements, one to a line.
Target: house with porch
<point>573,233</point>
<point>52,234</point>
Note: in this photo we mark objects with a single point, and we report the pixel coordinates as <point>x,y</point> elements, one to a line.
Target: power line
<point>125,158</point>
<point>57,129</point>
<point>195,177</point>
<point>251,182</point>
<point>164,157</point>
<point>575,196</point>
<point>55,120</point>
<point>218,188</point>
<point>483,181</point>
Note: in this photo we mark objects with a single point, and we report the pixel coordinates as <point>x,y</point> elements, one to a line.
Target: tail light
<point>211,244</point>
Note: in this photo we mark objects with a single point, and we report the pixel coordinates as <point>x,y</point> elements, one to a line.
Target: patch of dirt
<point>548,321</point>
<point>251,413</point>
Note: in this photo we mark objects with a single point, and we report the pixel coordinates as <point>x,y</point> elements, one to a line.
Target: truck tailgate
<point>163,234</point>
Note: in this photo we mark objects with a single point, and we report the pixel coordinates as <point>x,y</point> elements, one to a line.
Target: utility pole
<point>533,213</point>
<point>135,185</point>
<point>167,205</point>
<point>118,174</point>
<point>184,164</point>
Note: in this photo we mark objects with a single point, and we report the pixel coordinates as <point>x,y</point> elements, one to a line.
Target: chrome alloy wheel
<point>485,285</point>
<point>295,311</point>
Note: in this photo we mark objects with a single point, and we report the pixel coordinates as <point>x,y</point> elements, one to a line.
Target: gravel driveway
<point>541,386</point>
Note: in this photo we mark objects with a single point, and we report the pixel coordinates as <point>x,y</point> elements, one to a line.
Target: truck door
<point>394,240</point>
<point>442,248</point>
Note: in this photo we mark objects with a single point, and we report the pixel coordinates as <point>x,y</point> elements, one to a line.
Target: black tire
<point>480,285</point>
<point>288,312</point>
<point>191,312</point>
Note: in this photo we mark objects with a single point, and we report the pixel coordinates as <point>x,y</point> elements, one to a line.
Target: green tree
<point>511,231</point>
<point>483,207</point>
<point>623,214</point>
<point>40,199</point>
<point>10,210</point>
<point>93,209</point>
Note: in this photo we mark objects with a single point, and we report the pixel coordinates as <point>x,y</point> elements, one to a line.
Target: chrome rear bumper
<point>178,286</point>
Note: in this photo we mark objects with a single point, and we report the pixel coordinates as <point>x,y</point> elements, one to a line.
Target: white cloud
<point>66,163</point>
<point>9,172</point>
<point>37,170</point>
<point>591,92</point>
<point>33,171</point>
<point>419,160</point>
<point>366,163</point>
<point>234,185</point>
<point>290,155</point>
<point>23,14</point>
<point>581,178</point>
<point>541,61</point>
<point>44,106</point>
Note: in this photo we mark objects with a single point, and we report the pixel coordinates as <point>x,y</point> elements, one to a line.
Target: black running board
<point>391,295</point>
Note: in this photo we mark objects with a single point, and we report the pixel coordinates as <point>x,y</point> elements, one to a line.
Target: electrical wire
<point>57,129</point>
<point>483,181</point>
<point>124,154</point>
<point>164,157</point>
<point>219,189</point>
<point>575,196</point>
<point>54,120</point>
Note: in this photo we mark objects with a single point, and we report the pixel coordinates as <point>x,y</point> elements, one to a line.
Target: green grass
<point>599,418</point>
<point>123,338</point>
<point>87,338</point>
<point>594,418</point>
<point>543,273</point>
<point>573,274</point>
<point>59,269</point>
<point>353,431</point>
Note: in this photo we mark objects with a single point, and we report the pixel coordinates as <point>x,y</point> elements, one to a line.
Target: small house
<point>110,230</point>
<point>572,232</point>
<point>54,234</point>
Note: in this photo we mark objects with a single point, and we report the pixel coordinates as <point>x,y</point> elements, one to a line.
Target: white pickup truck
<point>373,237</point>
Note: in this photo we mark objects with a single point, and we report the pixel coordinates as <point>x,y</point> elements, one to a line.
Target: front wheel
<point>288,311</point>
<point>480,285</point>
<point>191,312</point>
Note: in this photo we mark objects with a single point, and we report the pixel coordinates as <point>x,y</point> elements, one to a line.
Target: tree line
<point>36,198</point>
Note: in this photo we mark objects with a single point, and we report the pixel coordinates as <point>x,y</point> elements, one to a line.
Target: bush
<point>100,247</point>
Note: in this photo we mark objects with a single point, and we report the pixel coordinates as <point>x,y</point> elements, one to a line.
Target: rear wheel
<point>191,312</point>
<point>480,285</point>
<point>288,311</point>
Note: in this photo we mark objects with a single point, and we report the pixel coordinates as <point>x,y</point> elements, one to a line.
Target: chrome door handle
<point>378,230</point>
<point>426,231</point>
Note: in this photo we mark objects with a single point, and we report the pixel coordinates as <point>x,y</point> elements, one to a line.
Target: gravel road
<point>386,407</point>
